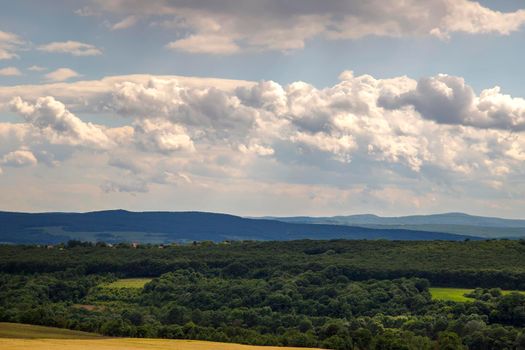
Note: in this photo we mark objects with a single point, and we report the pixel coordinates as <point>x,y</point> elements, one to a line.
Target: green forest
<point>332,294</point>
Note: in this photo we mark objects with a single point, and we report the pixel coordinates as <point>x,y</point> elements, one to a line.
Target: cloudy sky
<point>263,107</point>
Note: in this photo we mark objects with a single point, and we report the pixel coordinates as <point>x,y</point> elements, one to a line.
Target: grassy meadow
<point>458,294</point>
<point>133,283</point>
<point>15,336</point>
<point>451,294</point>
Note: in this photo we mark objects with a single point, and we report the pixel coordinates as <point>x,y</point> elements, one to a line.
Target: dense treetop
<point>494,263</point>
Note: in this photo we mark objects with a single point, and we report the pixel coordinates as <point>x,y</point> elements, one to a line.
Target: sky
<point>263,107</point>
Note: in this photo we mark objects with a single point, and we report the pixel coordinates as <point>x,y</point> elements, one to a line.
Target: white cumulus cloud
<point>205,43</point>
<point>59,124</point>
<point>10,43</point>
<point>223,27</point>
<point>127,22</point>
<point>74,48</point>
<point>10,72</point>
<point>36,68</point>
<point>449,100</point>
<point>362,140</point>
<point>162,136</point>
<point>62,74</point>
<point>19,158</point>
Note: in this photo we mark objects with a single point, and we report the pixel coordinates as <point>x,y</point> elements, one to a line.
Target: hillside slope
<point>15,336</point>
<point>160,227</point>
<point>455,223</point>
<point>436,219</point>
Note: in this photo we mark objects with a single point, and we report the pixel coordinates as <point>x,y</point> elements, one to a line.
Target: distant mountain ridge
<point>163,227</point>
<point>457,223</point>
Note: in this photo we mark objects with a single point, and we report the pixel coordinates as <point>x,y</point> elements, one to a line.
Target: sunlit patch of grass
<point>133,283</point>
<point>458,294</point>
<point>451,294</point>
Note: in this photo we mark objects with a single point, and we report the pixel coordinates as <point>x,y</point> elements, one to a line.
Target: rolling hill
<point>455,223</point>
<point>29,337</point>
<point>162,227</point>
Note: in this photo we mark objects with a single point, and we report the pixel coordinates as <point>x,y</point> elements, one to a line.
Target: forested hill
<point>434,219</point>
<point>455,223</point>
<point>160,227</point>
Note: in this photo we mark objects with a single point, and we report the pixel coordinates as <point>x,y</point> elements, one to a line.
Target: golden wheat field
<point>27,337</point>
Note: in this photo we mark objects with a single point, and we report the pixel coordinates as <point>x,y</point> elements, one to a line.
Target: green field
<point>458,294</point>
<point>133,283</point>
<point>452,294</point>
<point>15,336</point>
